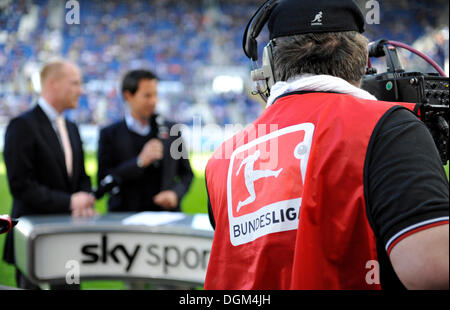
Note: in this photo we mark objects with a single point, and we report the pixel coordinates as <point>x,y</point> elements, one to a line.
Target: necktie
<point>65,141</point>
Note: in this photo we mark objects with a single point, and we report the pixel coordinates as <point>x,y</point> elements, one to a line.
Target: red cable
<point>420,54</point>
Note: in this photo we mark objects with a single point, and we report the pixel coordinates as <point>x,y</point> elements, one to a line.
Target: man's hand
<point>168,199</point>
<point>81,204</point>
<point>152,151</point>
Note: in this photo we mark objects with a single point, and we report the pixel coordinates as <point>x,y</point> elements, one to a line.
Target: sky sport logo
<point>255,208</point>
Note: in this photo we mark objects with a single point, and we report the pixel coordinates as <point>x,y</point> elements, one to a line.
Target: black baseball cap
<point>291,17</point>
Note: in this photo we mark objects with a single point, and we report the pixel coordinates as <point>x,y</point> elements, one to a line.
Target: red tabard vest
<point>287,196</point>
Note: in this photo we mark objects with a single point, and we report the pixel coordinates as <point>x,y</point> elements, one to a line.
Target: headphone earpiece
<point>264,76</point>
<point>268,61</point>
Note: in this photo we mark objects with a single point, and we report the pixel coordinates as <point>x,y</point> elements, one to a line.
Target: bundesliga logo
<point>265,183</point>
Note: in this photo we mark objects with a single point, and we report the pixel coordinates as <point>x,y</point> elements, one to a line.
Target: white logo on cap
<point>317,21</point>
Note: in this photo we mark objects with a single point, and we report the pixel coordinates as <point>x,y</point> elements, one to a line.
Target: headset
<point>264,76</point>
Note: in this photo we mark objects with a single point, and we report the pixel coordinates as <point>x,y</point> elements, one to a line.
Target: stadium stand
<point>187,44</point>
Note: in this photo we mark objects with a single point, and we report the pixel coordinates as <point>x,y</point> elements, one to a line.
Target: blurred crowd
<point>178,40</point>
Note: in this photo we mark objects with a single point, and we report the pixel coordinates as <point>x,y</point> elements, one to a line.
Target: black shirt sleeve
<point>405,184</point>
<point>210,211</point>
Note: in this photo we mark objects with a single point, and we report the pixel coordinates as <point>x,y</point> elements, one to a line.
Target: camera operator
<point>361,203</point>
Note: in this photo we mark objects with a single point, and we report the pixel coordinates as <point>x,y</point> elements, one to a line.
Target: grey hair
<point>340,54</point>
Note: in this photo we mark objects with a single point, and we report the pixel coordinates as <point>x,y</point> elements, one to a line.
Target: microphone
<point>108,184</point>
<point>162,134</point>
<point>7,223</point>
<point>376,49</point>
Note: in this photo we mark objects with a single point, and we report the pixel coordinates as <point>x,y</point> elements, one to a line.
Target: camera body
<point>430,93</point>
<point>414,87</point>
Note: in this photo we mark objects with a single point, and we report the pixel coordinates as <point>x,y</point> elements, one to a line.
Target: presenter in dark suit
<point>150,166</point>
<point>44,157</point>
